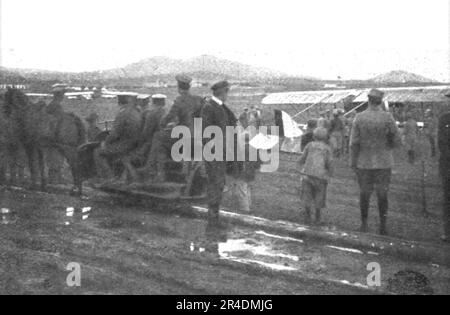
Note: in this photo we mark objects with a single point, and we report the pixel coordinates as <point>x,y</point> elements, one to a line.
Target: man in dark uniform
<point>186,106</point>
<point>444,167</point>
<point>185,109</point>
<point>216,113</point>
<point>374,137</point>
<point>54,159</point>
<point>123,138</point>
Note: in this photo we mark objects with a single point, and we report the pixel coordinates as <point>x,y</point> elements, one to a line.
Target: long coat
<point>221,116</point>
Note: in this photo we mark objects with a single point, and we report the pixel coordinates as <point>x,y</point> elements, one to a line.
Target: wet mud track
<point>131,250</point>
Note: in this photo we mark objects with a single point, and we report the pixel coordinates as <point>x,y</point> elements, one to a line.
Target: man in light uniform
<point>373,139</point>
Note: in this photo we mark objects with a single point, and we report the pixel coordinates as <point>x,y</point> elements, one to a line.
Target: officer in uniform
<point>123,138</point>
<point>444,167</point>
<point>216,113</point>
<point>374,137</point>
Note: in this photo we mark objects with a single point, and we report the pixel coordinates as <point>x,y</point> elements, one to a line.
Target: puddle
<point>73,215</point>
<point>348,250</point>
<point>7,216</point>
<point>249,251</point>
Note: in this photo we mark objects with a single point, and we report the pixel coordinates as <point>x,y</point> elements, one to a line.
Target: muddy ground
<point>141,249</point>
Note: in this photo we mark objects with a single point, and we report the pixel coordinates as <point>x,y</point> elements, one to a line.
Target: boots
<point>364,226</point>
<point>383,225</point>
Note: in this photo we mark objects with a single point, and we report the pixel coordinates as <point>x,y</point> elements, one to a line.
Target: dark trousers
<point>216,172</point>
<point>432,141</point>
<point>444,167</point>
<point>378,180</point>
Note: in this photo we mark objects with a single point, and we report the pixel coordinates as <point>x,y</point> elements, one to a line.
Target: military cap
<point>159,99</point>
<point>59,88</point>
<point>220,85</point>
<point>182,78</point>
<point>127,97</point>
<point>143,97</point>
<point>376,93</point>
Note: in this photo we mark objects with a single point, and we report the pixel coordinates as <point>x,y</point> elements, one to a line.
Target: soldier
<point>216,113</point>
<point>55,107</point>
<point>185,109</point>
<point>337,130</point>
<point>93,130</point>
<point>143,103</point>
<point>54,160</point>
<point>153,149</point>
<point>186,106</point>
<point>123,138</point>
<point>444,167</point>
<point>373,138</point>
<point>244,117</point>
<point>431,130</point>
<point>410,134</point>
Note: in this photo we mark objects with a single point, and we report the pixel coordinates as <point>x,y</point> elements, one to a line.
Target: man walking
<point>374,136</point>
<point>216,113</point>
<point>444,168</point>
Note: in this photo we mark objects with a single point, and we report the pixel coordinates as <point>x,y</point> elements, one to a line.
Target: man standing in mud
<point>216,113</point>
<point>444,168</point>
<point>373,138</point>
<point>54,159</point>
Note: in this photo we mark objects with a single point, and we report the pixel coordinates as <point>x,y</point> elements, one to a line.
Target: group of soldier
<point>374,135</point>
<point>140,138</point>
<point>140,141</point>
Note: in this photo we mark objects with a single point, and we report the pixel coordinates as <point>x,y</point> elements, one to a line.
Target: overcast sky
<point>322,38</point>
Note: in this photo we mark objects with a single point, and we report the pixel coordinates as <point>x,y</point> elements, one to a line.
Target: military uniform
<point>123,138</point>
<point>150,147</point>
<point>215,113</point>
<point>185,108</point>
<point>54,159</point>
<point>373,138</point>
<point>444,166</point>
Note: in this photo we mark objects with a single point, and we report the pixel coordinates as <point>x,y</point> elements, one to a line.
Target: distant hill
<point>400,76</point>
<point>202,68</point>
<point>10,77</point>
